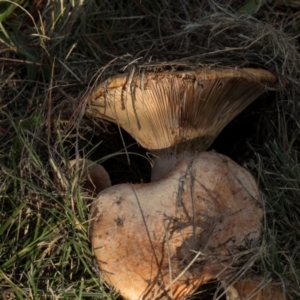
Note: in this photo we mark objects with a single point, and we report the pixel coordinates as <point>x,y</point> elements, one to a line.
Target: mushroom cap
<point>94,177</point>
<point>255,287</point>
<point>170,236</point>
<point>169,108</point>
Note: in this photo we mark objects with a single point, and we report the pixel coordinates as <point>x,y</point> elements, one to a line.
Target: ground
<point>52,54</point>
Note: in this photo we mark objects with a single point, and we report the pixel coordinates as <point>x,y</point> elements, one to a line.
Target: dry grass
<point>52,52</point>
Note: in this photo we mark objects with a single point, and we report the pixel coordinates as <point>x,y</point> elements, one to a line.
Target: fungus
<point>255,287</point>
<point>164,239</point>
<point>94,177</point>
<point>176,114</point>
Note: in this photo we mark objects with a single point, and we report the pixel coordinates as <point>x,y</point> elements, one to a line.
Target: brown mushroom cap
<point>170,236</point>
<point>163,109</point>
<point>255,287</point>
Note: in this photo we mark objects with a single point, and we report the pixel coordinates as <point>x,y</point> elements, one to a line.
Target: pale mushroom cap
<point>144,235</point>
<point>94,177</point>
<point>165,109</point>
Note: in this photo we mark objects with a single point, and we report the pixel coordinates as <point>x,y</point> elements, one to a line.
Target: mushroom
<point>176,114</point>
<point>163,239</point>
<point>255,287</point>
<point>94,177</point>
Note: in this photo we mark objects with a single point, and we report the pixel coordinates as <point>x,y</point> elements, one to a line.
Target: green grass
<point>50,59</point>
<point>44,243</point>
<point>277,166</point>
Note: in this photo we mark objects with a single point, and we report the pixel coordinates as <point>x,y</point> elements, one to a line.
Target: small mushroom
<point>163,239</point>
<point>255,287</point>
<point>94,177</point>
<point>176,114</point>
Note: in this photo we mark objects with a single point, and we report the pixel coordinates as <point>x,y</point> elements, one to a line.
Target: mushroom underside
<point>165,110</point>
<point>176,114</point>
<point>170,236</point>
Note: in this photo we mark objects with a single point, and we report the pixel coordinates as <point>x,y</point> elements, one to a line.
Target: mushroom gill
<point>176,114</point>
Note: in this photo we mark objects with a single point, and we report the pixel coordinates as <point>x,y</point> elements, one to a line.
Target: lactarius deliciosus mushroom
<point>163,239</point>
<point>175,114</point>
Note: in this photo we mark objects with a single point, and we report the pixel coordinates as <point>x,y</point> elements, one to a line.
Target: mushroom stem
<point>164,162</point>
